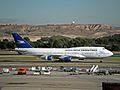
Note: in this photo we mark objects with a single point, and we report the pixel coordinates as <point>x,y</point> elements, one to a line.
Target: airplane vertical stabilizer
<point>20,42</point>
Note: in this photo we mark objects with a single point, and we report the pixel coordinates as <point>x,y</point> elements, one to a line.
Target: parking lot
<point>76,75</point>
<point>55,81</point>
<point>64,78</point>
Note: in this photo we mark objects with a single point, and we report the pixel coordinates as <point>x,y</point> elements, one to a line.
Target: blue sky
<point>60,11</point>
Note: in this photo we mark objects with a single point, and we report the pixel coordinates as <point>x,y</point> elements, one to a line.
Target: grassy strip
<point>18,58</point>
<point>58,64</point>
<point>116,53</point>
<point>3,52</point>
<point>80,64</point>
<point>114,59</point>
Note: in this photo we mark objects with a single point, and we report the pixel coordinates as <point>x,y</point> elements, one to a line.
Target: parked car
<point>22,70</point>
<point>5,70</point>
<point>45,72</point>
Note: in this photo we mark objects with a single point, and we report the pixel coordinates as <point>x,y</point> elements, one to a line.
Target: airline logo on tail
<point>20,42</point>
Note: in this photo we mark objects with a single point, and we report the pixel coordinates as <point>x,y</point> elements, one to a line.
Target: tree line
<point>111,42</point>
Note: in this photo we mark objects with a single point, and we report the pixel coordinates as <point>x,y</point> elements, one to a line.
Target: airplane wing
<point>77,56</point>
<point>63,57</point>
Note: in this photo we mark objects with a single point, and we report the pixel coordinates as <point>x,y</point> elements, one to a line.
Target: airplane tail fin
<point>20,42</point>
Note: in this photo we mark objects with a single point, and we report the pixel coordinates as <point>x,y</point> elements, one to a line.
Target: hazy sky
<point>60,11</point>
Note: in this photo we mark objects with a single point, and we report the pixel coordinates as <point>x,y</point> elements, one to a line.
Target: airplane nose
<point>111,53</point>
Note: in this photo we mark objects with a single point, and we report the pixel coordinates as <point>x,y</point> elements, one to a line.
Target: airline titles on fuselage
<point>81,50</point>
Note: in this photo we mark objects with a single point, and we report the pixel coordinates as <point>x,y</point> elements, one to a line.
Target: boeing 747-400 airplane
<point>65,54</point>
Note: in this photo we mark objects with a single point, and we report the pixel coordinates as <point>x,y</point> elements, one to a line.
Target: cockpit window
<point>103,48</point>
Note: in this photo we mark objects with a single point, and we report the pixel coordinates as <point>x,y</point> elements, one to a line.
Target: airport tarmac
<point>22,60</point>
<point>81,64</point>
<point>55,81</point>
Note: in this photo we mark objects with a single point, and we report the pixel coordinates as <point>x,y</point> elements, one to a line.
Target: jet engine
<point>65,58</point>
<point>49,58</point>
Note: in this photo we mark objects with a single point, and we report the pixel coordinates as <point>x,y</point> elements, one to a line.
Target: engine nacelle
<point>49,58</point>
<point>66,58</point>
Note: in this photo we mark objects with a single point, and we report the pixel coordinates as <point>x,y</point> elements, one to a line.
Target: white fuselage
<point>76,52</point>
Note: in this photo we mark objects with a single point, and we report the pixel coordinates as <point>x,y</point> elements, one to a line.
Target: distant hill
<point>35,32</point>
